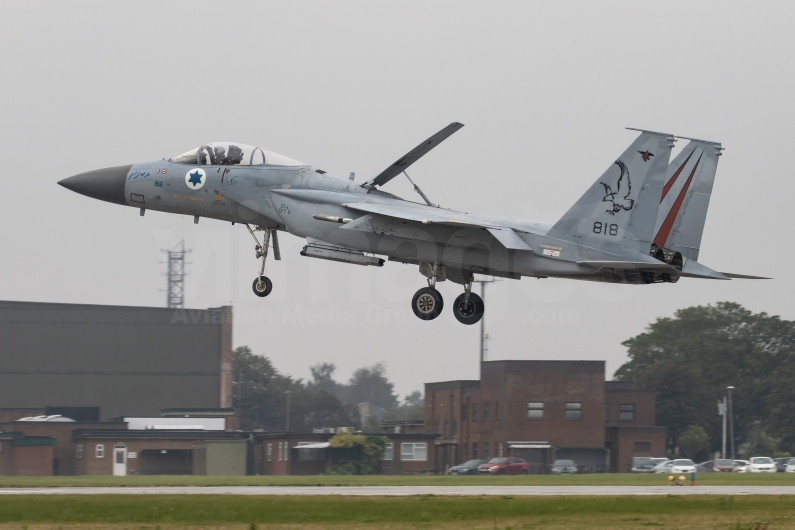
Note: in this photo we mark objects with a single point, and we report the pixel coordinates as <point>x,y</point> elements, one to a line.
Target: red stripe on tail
<point>670,183</point>
<point>665,229</point>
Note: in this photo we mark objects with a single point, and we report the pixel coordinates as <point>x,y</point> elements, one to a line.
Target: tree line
<point>692,358</point>
<point>260,393</point>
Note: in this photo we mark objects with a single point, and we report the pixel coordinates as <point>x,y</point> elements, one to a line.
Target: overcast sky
<point>545,90</point>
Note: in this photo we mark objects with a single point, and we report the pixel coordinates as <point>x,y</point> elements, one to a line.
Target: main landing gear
<point>468,307</point>
<point>428,303</point>
<point>262,285</point>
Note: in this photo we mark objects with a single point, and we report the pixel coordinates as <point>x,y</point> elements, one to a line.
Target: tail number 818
<point>604,228</point>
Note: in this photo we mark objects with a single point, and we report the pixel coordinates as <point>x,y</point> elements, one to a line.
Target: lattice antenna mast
<point>175,275</point>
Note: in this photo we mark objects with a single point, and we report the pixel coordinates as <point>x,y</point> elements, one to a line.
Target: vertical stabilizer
<point>618,212</point>
<point>685,198</point>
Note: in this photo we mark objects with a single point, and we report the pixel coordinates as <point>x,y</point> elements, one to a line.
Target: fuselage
<point>286,197</point>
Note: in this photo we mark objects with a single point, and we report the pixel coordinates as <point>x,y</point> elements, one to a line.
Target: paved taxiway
<point>562,491</point>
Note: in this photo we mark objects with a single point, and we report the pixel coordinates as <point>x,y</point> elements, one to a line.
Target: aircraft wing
<point>415,154</point>
<point>418,214</point>
<point>505,235</point>
<point>636,265</point>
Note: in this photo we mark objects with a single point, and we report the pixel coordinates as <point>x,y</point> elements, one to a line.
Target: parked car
<point>663,467</point>
<point>683,465</point>
<point>790,467</point>
<point>470,467</point>
<point>641,464</point>
<point>762,464</point>
<point>723,465</point>
<point>504,465</point>
<point>705,467</point>
<point>781,463</point>
<point>741,466</point>
<point>657,461</point>
<point>561,467</point>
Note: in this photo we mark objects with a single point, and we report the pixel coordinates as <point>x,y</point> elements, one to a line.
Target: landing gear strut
<point>262,285</point>
<point>428,303</point>
<point>468,307</point>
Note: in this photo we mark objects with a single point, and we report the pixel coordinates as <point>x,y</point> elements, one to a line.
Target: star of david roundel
<point>195,178</point>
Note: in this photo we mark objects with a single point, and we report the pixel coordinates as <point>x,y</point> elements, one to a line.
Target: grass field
<point>608,479</point>
<point>123,512</point>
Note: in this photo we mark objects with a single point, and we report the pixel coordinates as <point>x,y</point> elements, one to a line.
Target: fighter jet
<point>640,222</point>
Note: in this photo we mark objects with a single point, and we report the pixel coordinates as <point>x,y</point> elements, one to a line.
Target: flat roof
<point>14,304</point>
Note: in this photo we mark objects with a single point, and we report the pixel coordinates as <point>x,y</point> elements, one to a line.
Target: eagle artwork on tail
<point>610,196</point>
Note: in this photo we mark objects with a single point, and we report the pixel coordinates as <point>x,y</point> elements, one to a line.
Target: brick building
<point>310,454</point>
<point>541,411</point>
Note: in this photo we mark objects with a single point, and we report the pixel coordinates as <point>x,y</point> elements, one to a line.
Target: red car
<point>504,465</point>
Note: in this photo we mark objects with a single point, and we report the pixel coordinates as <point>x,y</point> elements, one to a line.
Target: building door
<point>120,460</point>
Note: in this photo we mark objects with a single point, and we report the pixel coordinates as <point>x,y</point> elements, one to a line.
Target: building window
<point>474,450</point>
<point>486,407</point>
<point>573,411</point>
<point>485,450</point>
<point>498,448</point>
<point>414,451</point>
<point>535,410</point>
<point>281,451</point>
<point>496,410</point>
<point>269,453</point>
<point>464,412</point>
<point>286,451</point>
<point>626,412</point>
<point>99,451</point>
<point>389,452</point>
<point>79,451</point>
<point>642,447</point>
<point>474,412</point>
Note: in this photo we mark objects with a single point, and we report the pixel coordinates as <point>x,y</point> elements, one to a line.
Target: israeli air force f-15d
<point>640,222</point>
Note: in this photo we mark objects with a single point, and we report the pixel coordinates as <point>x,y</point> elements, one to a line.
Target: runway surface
<point>562,491</point>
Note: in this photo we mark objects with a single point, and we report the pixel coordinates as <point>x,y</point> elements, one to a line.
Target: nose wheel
<point>262,285</point>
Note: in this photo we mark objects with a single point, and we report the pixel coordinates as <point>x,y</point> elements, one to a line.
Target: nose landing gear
<point>262,285</point>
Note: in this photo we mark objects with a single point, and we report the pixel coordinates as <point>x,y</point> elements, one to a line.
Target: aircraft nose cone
<point>103,184</point>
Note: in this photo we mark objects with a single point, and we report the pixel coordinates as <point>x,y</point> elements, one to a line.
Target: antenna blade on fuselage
<point>415,154</point>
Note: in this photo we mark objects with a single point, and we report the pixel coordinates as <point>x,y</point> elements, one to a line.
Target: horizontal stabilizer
<point>415,154</point>
<point>509,238</point>
<point>694,269</point>
<point>744,276</point>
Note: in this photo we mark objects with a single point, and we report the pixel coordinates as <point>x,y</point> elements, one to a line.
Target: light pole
<point>483,321</point>
<point>287,428</point>
<point>731,420</point>
<point>723,412</point>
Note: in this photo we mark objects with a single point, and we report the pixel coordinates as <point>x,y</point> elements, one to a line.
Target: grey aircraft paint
<point>639,223</point>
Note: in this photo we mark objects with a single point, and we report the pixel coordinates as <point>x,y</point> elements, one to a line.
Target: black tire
<point>427,303</point>
<point>501,472</point>
<point>470,313</point>
<point>265,282</point>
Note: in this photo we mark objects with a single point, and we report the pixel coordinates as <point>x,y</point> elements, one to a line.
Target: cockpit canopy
<point>233,154</point>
